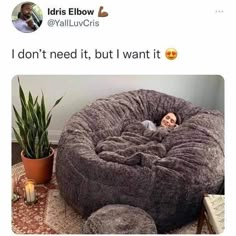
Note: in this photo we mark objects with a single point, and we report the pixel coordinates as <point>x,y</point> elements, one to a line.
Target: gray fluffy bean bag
<point>106,156</point>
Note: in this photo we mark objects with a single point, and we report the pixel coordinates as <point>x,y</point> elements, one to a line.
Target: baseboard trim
<point>53,135</point>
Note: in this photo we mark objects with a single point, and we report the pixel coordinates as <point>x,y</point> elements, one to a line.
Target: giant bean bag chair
<point>106,156</point>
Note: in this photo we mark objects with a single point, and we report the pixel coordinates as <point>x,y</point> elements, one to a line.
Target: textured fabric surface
<point>105,157</point>
<point>119,219</point>
<point>51,215</point>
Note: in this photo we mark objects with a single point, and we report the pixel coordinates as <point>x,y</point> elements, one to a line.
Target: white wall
<point>78,90</point>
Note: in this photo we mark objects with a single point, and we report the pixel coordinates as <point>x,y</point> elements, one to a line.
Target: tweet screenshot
<point>118,117</point>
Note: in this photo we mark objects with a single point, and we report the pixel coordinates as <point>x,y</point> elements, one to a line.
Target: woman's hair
<point>178,118</point>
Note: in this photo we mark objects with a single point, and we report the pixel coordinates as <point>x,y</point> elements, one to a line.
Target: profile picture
<point>27,17</point>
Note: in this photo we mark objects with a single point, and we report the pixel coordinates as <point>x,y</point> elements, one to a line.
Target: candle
<point>14,190</point>
<point>30,195</point>
<point>13,186</point>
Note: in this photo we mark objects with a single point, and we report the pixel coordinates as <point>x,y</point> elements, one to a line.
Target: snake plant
<point>33,122</point>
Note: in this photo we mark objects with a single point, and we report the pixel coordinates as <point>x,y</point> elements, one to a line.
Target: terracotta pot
<point>40,170</point>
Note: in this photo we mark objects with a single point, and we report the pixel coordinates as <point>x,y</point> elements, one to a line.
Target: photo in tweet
<point>124,153</point>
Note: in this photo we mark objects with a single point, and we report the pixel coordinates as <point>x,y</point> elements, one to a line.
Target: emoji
<point>171,53</point>
<point>102,13</point>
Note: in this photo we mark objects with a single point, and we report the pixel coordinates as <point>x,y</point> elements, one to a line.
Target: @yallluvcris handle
<point>73,23</point>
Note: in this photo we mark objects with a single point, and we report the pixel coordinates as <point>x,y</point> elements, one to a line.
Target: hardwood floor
<point>15,153</point>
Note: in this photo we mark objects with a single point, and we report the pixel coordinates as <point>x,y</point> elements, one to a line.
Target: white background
<point>204,39</point>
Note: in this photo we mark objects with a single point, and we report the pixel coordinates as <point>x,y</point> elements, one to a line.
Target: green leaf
<point>56,103</point>
<point>30,144</point>
<point>21,130</point>
<point>38,113</point>
<point>36,100</point>
<point>30,122</point>
<point>18,138</point>
<point>34,115</point>
<point>23,111</point>
<point>33,123</point>
<point>30,101</point>
<point>21,92</point>
<point>43,111</point>
<point>44,140</point>
<point>21,143</point>
<point>19,119</point>
<point>37,153</point>
<point>22,100</point>
<point>48,121</point>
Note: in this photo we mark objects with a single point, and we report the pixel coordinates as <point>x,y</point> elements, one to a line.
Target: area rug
<point>51,215</point>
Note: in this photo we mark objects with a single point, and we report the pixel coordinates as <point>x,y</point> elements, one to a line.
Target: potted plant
<point>32,135</point>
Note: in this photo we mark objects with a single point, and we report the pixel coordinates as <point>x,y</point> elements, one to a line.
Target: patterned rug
<point>51,215</point>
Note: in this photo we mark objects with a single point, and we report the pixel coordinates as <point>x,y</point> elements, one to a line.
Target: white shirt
<point>22,26</point>
<point>149,125</point>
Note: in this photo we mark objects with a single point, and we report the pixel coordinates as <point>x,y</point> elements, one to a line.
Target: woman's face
<point>169,120</point>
